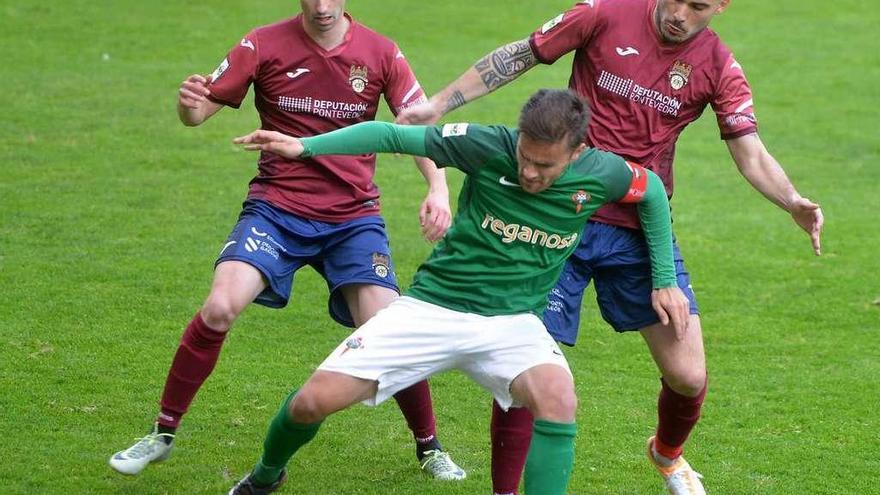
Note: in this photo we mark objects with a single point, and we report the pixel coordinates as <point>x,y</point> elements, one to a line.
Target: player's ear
<point>577,151</point>
<point>722,6</point>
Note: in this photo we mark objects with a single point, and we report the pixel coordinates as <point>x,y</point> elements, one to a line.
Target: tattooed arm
<point>502,65</point>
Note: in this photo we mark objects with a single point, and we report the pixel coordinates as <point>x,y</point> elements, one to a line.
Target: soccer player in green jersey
<point>475,304</point>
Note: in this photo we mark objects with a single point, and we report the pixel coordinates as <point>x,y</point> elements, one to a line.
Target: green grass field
<point>113,212</point>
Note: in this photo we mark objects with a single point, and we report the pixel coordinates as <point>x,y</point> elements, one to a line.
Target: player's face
<point>322,15</point>
<point>541,163</point>
<point>680,20</point>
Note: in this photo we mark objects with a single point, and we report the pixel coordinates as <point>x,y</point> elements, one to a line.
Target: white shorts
<point>411,340</point>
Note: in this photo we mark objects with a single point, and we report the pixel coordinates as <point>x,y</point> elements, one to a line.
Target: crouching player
<point>475,304</point>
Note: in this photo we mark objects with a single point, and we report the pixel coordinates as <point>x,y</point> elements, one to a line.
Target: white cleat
<point>151,448</point>
<point>440,466</point>
<point>681,479</point>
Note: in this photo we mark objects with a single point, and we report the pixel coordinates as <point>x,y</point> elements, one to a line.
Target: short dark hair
<point>552,115</point>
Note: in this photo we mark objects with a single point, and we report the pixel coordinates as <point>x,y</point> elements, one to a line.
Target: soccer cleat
<point>681,479</point>
<point>246,486</point>
<point>440,466</point>
<point>151,448</point>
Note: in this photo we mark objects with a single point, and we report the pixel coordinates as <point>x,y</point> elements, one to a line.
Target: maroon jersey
<point>301,89</point>
<point>642,92</point>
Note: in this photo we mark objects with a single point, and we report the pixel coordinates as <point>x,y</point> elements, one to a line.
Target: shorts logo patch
<point>580,198</point>
<point>251,245</point>
<point>381,262</point>
<point>357,77</point>
<point>353,343</point>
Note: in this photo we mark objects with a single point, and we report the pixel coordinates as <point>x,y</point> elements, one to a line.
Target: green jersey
<point>506,247</point>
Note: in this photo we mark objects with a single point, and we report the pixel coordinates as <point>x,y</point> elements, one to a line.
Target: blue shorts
<point>278,243</point>
<point>617,258</point>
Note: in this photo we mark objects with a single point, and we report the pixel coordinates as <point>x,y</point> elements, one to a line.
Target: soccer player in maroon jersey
<point>648,69</point>
<point>312,73</point>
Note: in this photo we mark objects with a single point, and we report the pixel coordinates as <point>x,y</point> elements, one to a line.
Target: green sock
<point>551,458</point>
<point>284,438</point>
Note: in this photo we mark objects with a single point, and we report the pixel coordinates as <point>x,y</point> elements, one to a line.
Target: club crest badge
<point>381,264</point>
<point>357,77</point>
<point>353,343</point>
<point>678,74</point>
<point>580,198</point>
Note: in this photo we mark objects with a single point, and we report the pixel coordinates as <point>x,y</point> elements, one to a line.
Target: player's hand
<point>808,216</point>
<point>423,113</point>
<point>671,305</point>
<point>193,91</point>
<point>272,142</point>
<point>435,215</point>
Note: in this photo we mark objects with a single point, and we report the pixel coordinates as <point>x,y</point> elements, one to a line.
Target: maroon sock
<point>195,359</point>
<point>415,404</point>
<point>677,416</point>
<point>511,433</point>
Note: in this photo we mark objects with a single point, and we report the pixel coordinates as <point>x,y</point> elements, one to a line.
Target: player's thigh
<point>358,256</point>
<point>403,344</point>
<point>681,362</point>
<point>562,314</point>
<point>235,285</point>
<point>499,349</point>
<point>327,392</point>
<point>274,242</point>
<point>624,283</point>
<point>365,300</point>
<point>548,391</point>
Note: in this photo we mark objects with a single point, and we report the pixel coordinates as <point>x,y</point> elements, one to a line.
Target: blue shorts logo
<point>252,245</point>
<point>381,262</point>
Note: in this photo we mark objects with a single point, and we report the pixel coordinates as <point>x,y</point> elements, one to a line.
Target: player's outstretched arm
<point>497,68</point>
<point>358,139</point>
<point>272,142</point>
<point>765,174</point>
<point>193,105</point>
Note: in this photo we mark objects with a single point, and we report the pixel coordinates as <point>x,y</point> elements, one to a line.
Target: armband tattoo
<point>455,101</point>
<point>505,63</point>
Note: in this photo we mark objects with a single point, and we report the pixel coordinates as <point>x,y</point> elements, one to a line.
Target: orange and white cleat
<point>681,479</point>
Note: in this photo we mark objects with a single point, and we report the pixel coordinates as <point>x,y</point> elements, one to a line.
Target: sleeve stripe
<point>411,92</point>
<point>745,105</point>
<point>639,184</point>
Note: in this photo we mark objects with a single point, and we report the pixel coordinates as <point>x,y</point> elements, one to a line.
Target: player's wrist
<point>438,188</point>
<point>665,284</point>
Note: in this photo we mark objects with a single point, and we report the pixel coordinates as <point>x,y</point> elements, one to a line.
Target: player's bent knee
<point>689,383</point>
<point>306,407</point>
<point>556,402</point>
<point>219,313</point>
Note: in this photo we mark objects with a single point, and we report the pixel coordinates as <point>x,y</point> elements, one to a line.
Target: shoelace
<point>145,445</point>
<point>437,458</point>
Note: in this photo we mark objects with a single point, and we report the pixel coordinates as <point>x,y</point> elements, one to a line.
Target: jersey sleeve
<point>402,89</point>
<point>466,147</point>
<point>232,78</point>
<point>732,102</point>
<point>367,137</point>
<point>566,32</point>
